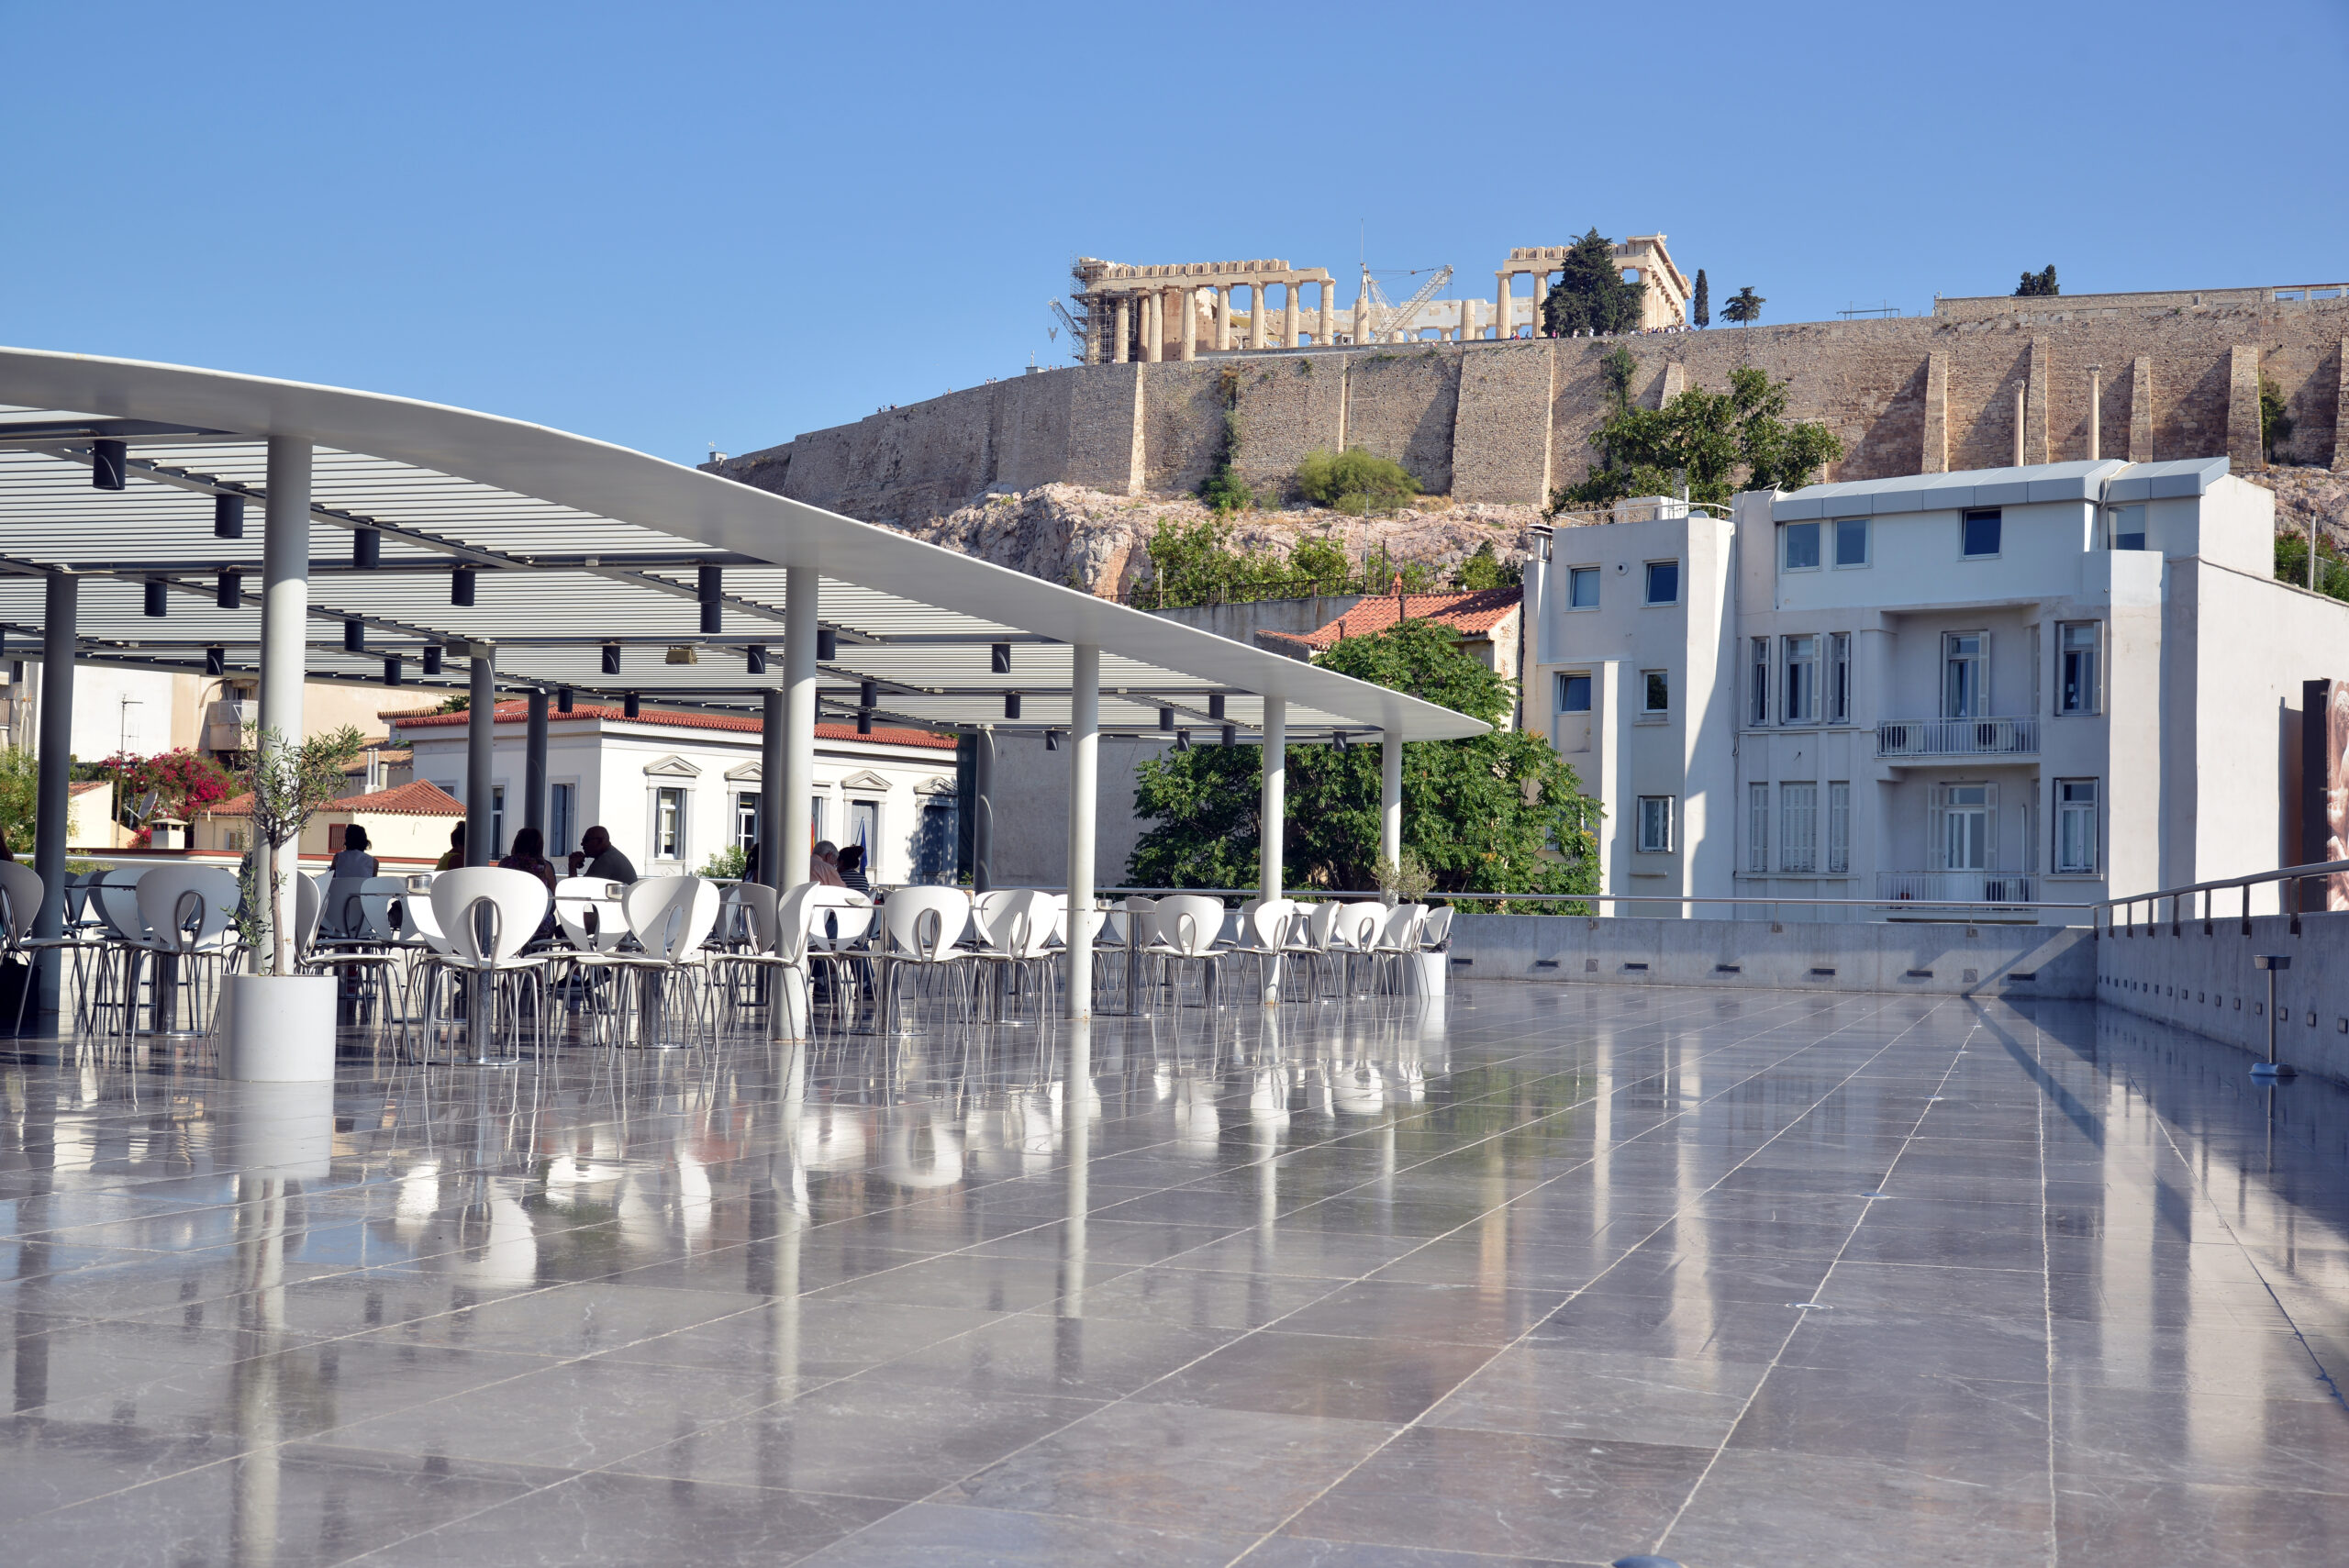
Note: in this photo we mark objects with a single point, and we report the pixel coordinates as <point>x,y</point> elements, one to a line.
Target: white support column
<point>1153,326</point>
<point>1223,318</point>
<point>1501,305</point>
<point>1328,332</point>
<point>285,648</point>
<point>1187,328</point>
<point>801,611</point>
<point>1121,328</point>
<point>1390,797</point>
<point>1084,786</point>
<point>1289,315</point>
<point>1273,814</point>
<point>1260,319</point>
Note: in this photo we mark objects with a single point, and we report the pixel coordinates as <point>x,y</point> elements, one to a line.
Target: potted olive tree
<point>1410,881</point>
<point>278,1023</point>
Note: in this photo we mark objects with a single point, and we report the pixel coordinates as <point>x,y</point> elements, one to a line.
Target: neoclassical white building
<point>2005,686</point>
<point>676,788</point>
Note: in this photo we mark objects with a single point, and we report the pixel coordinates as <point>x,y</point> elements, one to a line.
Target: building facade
<point>676,788</point>
<point>2000,688</point>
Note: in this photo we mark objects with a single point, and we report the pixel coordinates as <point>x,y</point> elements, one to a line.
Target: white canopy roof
<point>577,544</point>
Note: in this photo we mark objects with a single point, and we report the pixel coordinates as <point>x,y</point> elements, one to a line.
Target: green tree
<point>2292,565</point>
<point>1721,441</point>
<point>1355,481</point>
<point>1222,489</point>
<point>1592,294</point>
<point>1704,301</point>
<point>1744,308</point>
<point>1499,812</point>
<point>2037,286</point>
<point>289,785</point>
<point>1196,563</point>
<point>2275,423</point>
<point>19,798</point>
<point>1485,569</point>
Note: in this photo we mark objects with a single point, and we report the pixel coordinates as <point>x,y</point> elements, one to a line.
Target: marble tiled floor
<point>1541,1274</point>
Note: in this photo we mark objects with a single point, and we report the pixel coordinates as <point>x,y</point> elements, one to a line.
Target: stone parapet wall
<point>1505,422</point>
<point>2206,983</point>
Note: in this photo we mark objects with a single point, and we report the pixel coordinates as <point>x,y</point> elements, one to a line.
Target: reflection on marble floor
<point>1543,1274</point>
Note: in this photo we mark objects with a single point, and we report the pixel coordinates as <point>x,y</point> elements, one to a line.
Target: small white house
<point>674,788</point>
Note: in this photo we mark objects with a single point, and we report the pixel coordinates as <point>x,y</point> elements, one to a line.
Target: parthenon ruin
<point>1177,312</point>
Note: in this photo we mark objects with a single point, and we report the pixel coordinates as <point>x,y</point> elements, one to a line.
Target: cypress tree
<point>1704,300</point>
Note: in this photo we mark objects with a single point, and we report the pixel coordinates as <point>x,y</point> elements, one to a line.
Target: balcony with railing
<point>1900,739</point>
<point>1988,888</point>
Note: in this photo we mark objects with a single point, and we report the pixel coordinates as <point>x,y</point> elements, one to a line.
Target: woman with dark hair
<point>352,859</point>
<point>852,868</point>
<point>527,853</point>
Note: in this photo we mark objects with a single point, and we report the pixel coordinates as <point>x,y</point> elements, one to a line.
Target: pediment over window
<point>868,780</point>
<point>745,773</point>
<point>938,783</point>
<point>671,767</point>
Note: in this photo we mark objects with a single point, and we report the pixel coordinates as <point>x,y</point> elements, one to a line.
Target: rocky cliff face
<point>2302,493</point>
<point>1094,540</point>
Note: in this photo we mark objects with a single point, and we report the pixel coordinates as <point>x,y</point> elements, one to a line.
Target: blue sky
<point>673,225</point>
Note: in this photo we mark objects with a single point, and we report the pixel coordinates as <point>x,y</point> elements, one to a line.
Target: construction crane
<point>1075,332</point>
<point>1397,318</point>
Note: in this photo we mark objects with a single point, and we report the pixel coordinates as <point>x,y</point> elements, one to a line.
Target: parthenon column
<point>1362,317</point>
<point>1120,327</point>
<point>1500,305</point>
<point>1187,328</point>
<point>1260,319</point>
<point>1289,313</point>
<point>1153,326</point>
<point>1327,333</point>
<point>1223,318</point>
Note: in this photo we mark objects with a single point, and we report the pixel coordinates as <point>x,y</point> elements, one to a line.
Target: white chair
<point>357,940</point>
<point>1018,932</point>
<point>488,915</point>
<point>1353,936</point>
<point>1141,933</point>
<point>670,919</point>
<point>922,927</point>
<point>840,930</point>
<point>1435,932</point>
<point>1310,938</point>
<point>189,914</point>
<point>1265,926</point>
<point>20,899</point>
<point>1397,940</point>
<point>777,928</point>
<point>1188,925</point>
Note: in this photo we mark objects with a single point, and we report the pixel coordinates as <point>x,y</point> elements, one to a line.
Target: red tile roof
<point>517,711</point>
<point>1475,610</point>
<point>421,798</point>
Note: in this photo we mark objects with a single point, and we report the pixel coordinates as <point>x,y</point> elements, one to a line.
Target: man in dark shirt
<point>596,857</point>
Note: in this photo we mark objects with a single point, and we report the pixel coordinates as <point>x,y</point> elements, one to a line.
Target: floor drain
<point>1810,1305</point>
<point>1644,1561</point>
<point>1876,1194</point>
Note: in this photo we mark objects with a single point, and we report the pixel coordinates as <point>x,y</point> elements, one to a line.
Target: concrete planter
<point>1427,972</point>
<point>278,1029</point>
<point>281,1130</point>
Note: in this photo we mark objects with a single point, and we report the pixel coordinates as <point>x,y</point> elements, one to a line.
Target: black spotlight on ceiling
<point>865,721</point>
<point>461,587</point>
<point>216,660</point>
<point>1215,705</point>
<point>157,596</point>
<point>1230,734</point>
<point>828,645</point>
<point>392,670</point>
<point>354,634</point>
<point>366,549</point>
<point>562,699</point>
<point>1051,739</point>
<point>1181,740</point>
<point>611,658</point>
<point>631,705</point>
<point>868,695</point>
<point>712,594</point>
<point>230,592</point>
<point>754,658</point>
<point>1011,705</point>
<point>431,658</point>
<point>227,516</point>
<point>1001,655</point>
<point>1166,718</point>
<point>109,465</point>
<point>1339,737</point>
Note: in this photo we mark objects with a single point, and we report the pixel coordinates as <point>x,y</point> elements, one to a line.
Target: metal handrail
<point>1904,903</point>
<point>2101,917</point>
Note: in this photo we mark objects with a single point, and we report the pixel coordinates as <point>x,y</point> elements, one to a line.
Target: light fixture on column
<point>216,660</point>
<point>865,721</point>
<point>828,645</point>
<point>868,695</point>
<point>158,593</point>
<point>611,658</point>
<point>712,596</point>
<point>391,669</point>
<point>1000,657</point>
<point>231,593</point>
<point>461,587</point>
<point>1215,705</point>
<point>1051,739</point>
<point>227,516</point>
<point>109,465</point>
<point>354,634</point>
<point>431,658</point>
<point>1338,738</point>
<point>754,658</point>
<point>1011,705</point>
<point>1166,719</point>
<point>366,549</point>
<point>1230,735</point>
<point>1181,740</point>
<point>631,705</point>
<point>562,699</point>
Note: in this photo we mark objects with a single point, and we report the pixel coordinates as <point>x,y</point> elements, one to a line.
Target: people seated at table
<point>352,859</point>
<point>852,869</point>
<point>456,855</point>
<point>529,853</point>
<point>822,865</point>
<point>597,856</point>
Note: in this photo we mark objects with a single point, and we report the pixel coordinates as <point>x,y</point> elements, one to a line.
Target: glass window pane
<point>1852,542</point>
<point>1574,693</point>
<point>1982,533</point>
<point>1802,545</point>
<point>1664,581</point>
<point>1659,691</point>
<point>1581,588</point>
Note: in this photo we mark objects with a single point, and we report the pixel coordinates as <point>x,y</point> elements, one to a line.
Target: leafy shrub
<point>1354,481</point>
